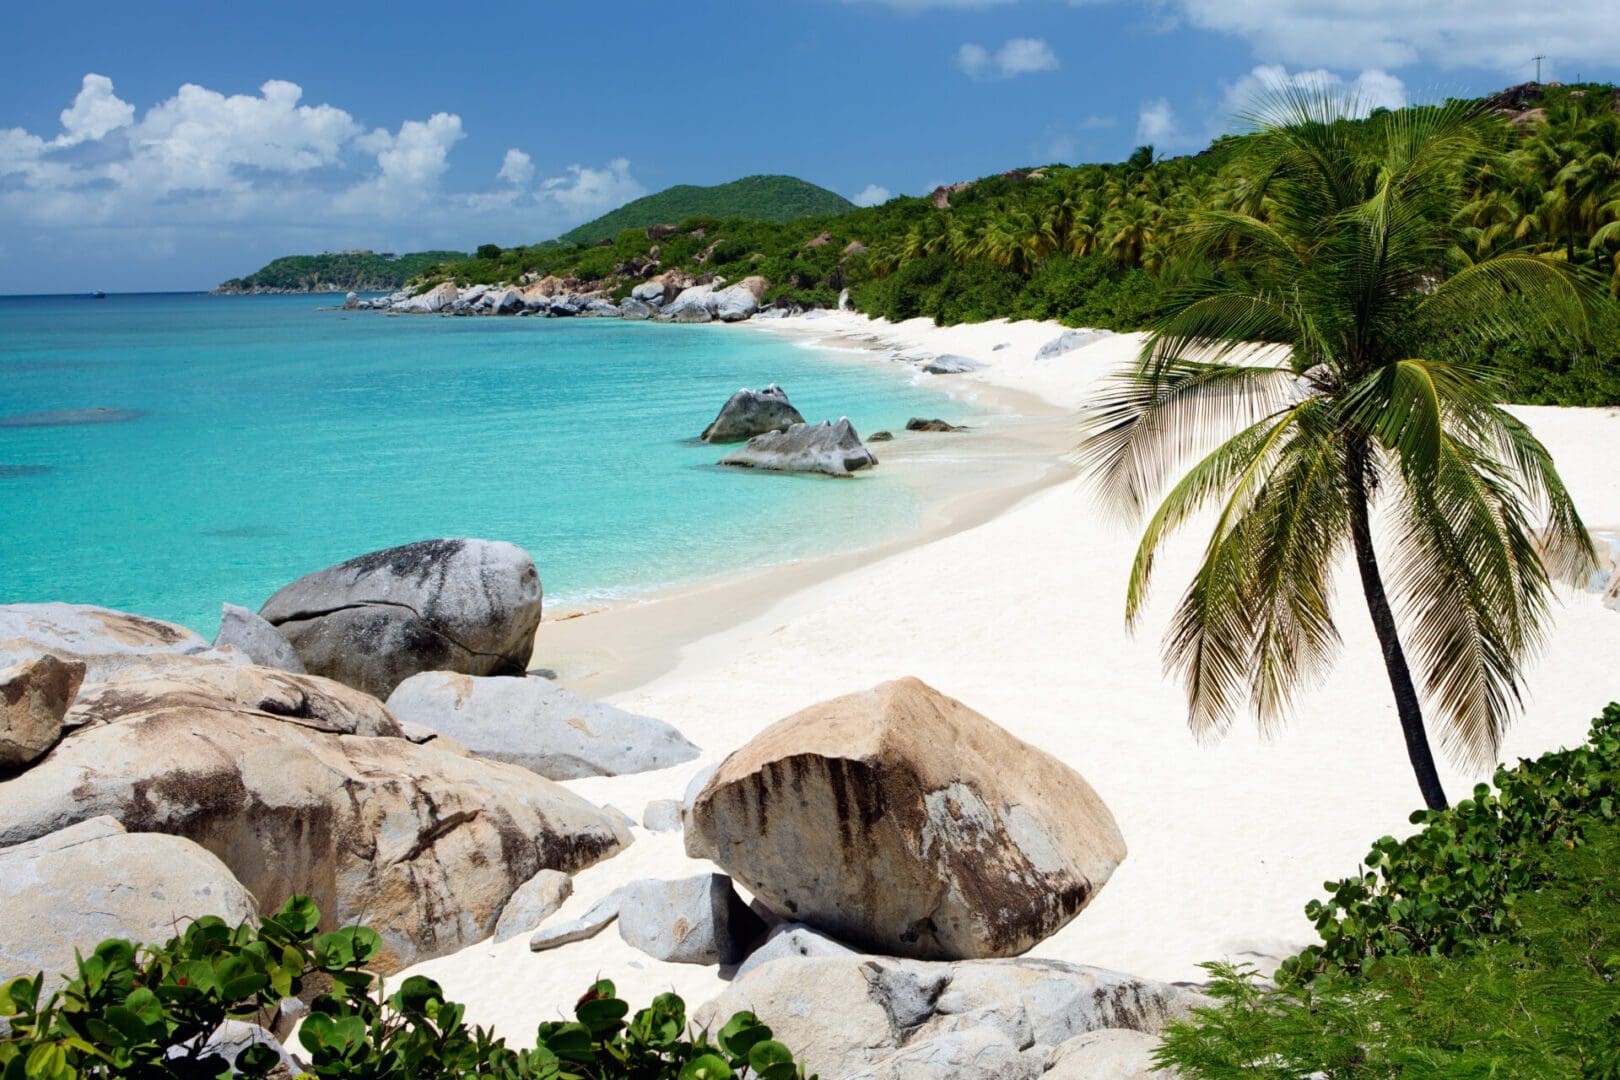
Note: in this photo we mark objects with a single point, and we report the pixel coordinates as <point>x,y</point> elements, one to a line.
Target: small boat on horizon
<point>98,295</point>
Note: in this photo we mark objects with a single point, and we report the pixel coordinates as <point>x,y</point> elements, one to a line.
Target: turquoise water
<point>271,438</point>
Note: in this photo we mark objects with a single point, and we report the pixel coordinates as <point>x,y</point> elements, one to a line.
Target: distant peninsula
<point>338,271</point>
<point>753,198</point>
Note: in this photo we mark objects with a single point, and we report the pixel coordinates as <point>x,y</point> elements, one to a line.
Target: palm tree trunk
<point>1400,676</point>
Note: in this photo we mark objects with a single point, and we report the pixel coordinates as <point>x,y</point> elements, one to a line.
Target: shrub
<point>146,1012</point>
<point>1457,883</point>
<point>489,251</point>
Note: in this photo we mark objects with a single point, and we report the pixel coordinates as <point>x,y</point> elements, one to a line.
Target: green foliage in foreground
<point>1540,1004</point>
<point>754,198</point>
<point>1458,884</point>
<point>146,1012</point>
<point>361,271</point>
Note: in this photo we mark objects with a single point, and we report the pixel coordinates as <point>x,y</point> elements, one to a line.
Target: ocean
<point>198,449</point>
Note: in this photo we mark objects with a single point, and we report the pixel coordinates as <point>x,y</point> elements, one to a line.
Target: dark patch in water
<point>71,417</point>
<point>9,472</point>
<point>245,532</point>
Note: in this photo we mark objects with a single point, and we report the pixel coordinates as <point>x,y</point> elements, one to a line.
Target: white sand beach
<point>1013,604</point>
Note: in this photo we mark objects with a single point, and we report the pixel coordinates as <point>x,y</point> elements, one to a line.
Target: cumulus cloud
<point>1017,56</point>
<point>1156,124</point>
<point>94,113</point>
<point>584,192</point>
<point>1372,89</point>
<point>872,195</point>
<point>1498,34</point>
<point>517,168</point>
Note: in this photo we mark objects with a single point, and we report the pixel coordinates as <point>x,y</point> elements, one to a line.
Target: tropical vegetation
<point>1376,394</point>
<point>1485,945</point>
<point>340,271</point>
<point>753,198</point>
<point>149,1012</point>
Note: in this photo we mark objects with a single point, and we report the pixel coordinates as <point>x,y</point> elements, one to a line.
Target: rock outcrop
<point>752,412</point>
<point>793,941</point>
<point>842,1015</point>
<point>34,697</point>
<point>105,641</point>
<point>534,900</point>
<point>917,423</point>
<point>900,820</point>
<point>1115,1053</point>
<point>951,364</point>
<point>257,639</point>
<point>1068,341</point>
<point>593,922</point>
<point>80,885</point>
<point>431,302</point>
<point>425,847</point>
<point>696,920</point>
<point>534,723</point>
<point>470,606</point>
<point>833,449</point>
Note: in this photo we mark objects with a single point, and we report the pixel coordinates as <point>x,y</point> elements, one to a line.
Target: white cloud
<point>95,112</point>
<point>517,168</point>
<point>872,195</point>
<point>586,192</point>
<point>1498,34</point>
<point>1156,124</point>
<point>1372,89</point>
<point>1017,56</point>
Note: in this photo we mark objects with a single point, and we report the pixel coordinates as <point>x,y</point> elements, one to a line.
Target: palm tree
<point>1380,404</point>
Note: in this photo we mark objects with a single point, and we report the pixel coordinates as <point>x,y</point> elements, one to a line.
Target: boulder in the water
<point>470,606</point>
<point>752,412</point>
<point>833,449</point>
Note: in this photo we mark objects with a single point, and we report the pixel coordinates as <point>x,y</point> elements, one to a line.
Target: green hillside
<point>753,198</point>
<point>360,271</point>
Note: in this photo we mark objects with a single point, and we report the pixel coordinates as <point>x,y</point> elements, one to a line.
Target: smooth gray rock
<point>351,301</point>
<point>34,698</point>
<point>833,449</point>
<point>688,315</point>
<point>534,723</point>
<point>843,1014</point>
<point>534,901</point>
<point>1108,1054</point>
<point>951,364</point>
<point>634,310</point>
<point>960,1055</point>
<point>505,303</point>
<point>258,640</point>
<point>793,940</point>
<point>662,815</point>
<point>588,925</point>
<point>1068,341</point>
<point>105,641</point>
<point>649,292</point>
<point>695,920</point>
<point>80,885</point>
<point>918,423</point>
<point>567,304</point>
<point>469,606</point>
<point>601,309</point>
<point>693,787</point>
<point>752,412</point>
<point>734,304</point>
<point>434,300</point>
<point>693,301</point>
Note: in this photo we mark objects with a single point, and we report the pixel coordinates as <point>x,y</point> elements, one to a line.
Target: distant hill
<point>757,198</point>
<point>339,271</point>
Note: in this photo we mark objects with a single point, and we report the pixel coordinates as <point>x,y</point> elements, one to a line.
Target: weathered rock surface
<point>693,301</point>
<point>752,412</point>
<point>1068,341</point>
<point>635,310</point>
<point>900,820</point>
<point>696,920</point>
<point>662,815</point>
<point>880,436</point>
<point>917,423</point>
<point>105,641</point>
<point>470,606</point>
<point>649,292</point>
<point>425,847</point>
<point>434,300</point>
<point>844,1014</point>
<point>90,881</point>
<point>793,941</point>
<point>950,364</point>
<point>257,639</point>
<point>833,449</point>
<point>588,925</point>
<point>961,1055</point>
<point>1109,1054</point>
<point>534,900</point>
<point>34,697</point>
<point>534,723</point>
<point>737,302</point>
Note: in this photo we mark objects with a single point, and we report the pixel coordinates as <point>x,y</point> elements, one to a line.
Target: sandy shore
<point>1012,601</point>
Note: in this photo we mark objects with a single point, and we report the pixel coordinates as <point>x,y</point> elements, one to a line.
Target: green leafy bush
<point>1541,1004</point>
<point>146,1012</point>
<point>1458,882</point>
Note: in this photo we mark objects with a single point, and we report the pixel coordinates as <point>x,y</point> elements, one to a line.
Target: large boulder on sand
<point>737,302</point>
<point>752,412</point>
<point>845,1014</point>
<point>424,846</point>
<point>34,697</point>
<point>260,642</point>
<point>901,820</point>
<point>105,641</point>
<point>76,887</point>
<point>696,920</point>
<point>833,449</point>
<point>438,605</point>
<point>534,723</point>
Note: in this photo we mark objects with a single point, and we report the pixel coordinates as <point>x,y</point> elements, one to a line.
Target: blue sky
<point>171,145</point>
